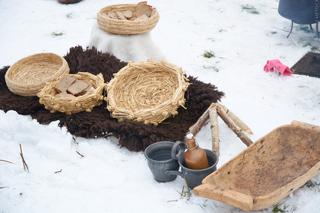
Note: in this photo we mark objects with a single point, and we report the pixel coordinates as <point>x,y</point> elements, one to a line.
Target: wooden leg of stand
<point>213,117</point>
<point>231,124</point>
<point>202,121</point>
<point>236,119</point>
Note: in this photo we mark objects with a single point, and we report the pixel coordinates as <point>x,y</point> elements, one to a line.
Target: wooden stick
<point>81,155</point>
<point>231,124</point>
<point>236,119</point>
<point>6,161</point>
<point>195,128</point>
<point>59,171</point>
<point>25,165</point>
<point>213,117</point>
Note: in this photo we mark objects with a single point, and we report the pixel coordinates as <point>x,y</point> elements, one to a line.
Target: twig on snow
<point>185,192</point>
<point>74,140</point>
<point>6,161</point>
<point>59,171</point>
<point>81,155</point>
<point>169,201</point>
<point>25,165</point>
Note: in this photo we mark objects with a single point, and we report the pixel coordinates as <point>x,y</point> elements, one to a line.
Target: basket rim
<point>14,83</point>
<point>102,13</point>
<point>125,27</point>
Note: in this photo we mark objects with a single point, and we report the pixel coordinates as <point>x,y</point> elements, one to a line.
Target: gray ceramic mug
<point>193,177</point>
<point>159,161</point>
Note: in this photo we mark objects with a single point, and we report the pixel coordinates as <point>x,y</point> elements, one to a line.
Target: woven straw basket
<point>81,103</point>
<point>146,92</point>
<point>29,75</point>
<point>125,27</point>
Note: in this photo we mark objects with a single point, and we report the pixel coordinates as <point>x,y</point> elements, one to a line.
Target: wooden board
<point>269,170</point>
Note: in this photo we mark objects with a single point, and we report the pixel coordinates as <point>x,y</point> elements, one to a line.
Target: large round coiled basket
<point>147,92</point>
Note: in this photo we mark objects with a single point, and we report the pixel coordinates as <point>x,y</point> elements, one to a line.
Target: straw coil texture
<point>147,92</point>
<point>125,27</point>
<point>29,75</point>
<point>81,103</point>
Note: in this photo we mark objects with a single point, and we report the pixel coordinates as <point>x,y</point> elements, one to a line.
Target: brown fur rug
<point>99,123</point>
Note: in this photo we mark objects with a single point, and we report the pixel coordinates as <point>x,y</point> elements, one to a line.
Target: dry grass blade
<point>81,155</point>
<point>6,161</point>
<point>25,165</point>
<point>58,171</point>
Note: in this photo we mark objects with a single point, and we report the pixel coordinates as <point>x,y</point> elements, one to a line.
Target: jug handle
<point>177,149</point>
<point>174,172</point>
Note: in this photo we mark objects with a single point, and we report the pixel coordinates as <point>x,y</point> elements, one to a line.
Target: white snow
<point>111,179</point>
<point>125,47</point>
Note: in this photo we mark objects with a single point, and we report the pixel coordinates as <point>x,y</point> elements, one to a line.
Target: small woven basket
<point>29,75</point>
<point>147,92</point>
<point>125,27</point>
<point>81,103</point>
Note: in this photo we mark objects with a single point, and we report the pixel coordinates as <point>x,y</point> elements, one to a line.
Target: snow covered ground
<point>111,179</point>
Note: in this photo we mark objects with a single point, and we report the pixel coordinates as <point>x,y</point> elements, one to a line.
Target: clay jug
<point>195,157</point>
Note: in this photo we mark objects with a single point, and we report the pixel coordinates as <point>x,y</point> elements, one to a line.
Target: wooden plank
<point>242,201</point>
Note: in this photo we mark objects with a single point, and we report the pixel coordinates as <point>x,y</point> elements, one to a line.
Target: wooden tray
<point>269,170</point>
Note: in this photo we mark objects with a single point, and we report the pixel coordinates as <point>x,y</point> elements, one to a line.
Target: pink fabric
<point>275,65</point>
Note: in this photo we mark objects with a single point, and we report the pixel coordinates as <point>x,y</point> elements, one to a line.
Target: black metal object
<point>291,28</point>
<point>301,12</point>
<point>317,15</point>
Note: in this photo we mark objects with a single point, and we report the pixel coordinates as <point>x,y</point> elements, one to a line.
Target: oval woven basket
<point>81,103</point>
<point>29,75</point>
<point>125,27</point>
<point>146,92</point>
